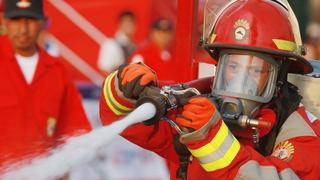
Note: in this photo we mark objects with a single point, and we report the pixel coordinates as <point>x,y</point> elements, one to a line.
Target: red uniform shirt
<point>220,155</point>
<point>159,60</point>
<point>34,116</point>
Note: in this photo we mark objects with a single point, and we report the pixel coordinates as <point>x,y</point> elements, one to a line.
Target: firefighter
<point>116,51</point>
<point>250,126</point>
<point>39,104</point>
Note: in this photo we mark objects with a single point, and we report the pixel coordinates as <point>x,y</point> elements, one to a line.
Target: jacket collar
<point>8,53</point>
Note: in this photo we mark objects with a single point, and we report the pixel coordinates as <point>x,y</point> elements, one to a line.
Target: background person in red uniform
<point>250,126</point>
<point>157,54</point>
<point>117,50</point>
<point>39,104</point>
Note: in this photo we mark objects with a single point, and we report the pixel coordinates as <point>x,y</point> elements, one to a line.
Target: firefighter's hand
<point>133,78</point>
<point>196,113</point>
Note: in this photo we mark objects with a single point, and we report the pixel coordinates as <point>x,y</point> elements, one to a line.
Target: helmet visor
<point>245,75</point>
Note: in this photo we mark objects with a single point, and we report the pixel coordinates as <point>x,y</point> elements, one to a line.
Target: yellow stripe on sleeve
<point>113,104</point>
<point>225,160</point>
<point>214,144</point>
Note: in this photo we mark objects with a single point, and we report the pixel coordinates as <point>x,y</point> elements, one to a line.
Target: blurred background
<point>81,32</point>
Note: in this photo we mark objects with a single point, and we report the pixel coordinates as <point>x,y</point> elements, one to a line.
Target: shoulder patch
<point>284,151</point>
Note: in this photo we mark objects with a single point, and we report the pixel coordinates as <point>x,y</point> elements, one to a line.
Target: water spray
<point>78,150</point>
<point>152,105</point>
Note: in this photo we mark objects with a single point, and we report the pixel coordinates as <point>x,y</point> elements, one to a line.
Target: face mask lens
<point>246,75</point>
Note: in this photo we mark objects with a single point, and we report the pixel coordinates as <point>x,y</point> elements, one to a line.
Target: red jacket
<point>161,61</point>
<point>220,155</point>
<point>34,117</point>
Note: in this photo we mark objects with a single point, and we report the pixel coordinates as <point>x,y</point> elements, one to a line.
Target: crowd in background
<point>119,48</point>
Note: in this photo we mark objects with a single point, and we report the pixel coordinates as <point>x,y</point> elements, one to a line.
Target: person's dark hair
<point>162,24</point>
<point>126,13</point>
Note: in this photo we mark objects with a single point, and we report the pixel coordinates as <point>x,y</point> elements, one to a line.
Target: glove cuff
<point>119,92</point>
<point>201,133</point>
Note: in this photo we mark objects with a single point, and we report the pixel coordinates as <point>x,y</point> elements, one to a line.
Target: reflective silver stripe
<point>217,159</point>
<point>220,152</point>
<point>294,126</point>
<point>288,174</point>
<point>253,171</point>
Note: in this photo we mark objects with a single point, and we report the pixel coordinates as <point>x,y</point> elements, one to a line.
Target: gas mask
<point>244,81</point>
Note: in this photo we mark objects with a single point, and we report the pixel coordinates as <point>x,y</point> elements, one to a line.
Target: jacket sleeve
<point>113,105</point>
<point>72,119</point>
<point>221,155</point>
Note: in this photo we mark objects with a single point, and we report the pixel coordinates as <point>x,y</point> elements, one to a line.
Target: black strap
<point>184,156</point>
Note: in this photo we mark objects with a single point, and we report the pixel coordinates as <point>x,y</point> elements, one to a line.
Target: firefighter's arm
<point>219,152</point>
<point>119,94</point>
<point>122,88</point>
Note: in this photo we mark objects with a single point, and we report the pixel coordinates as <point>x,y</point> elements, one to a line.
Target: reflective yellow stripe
<point>284,44</point>
<point>112,97</point>
<point>213,145</point>
<point>107,99</point>
<point>113,104</point>
<point>225,160</point>
<point>221,150</point>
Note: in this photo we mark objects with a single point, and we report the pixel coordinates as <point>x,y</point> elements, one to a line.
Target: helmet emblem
<point>241,31</point>
<point>23,4</point>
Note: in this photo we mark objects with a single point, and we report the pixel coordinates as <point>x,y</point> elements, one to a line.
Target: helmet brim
<point>298,64</point>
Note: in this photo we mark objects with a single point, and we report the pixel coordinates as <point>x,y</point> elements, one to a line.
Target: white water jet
<point>78,150</point>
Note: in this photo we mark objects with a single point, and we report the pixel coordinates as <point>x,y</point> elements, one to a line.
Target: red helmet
<point>257,25</point>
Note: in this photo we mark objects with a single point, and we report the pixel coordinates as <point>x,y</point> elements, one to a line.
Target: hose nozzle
<point>165,99</point>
